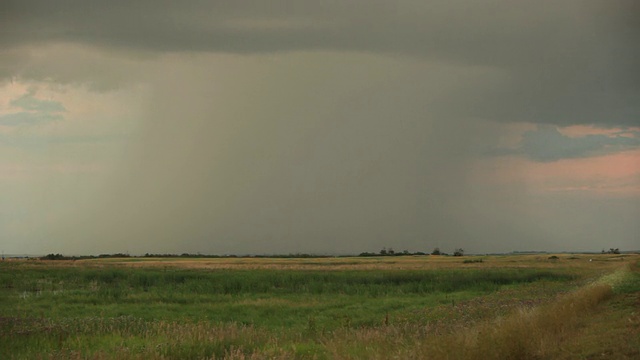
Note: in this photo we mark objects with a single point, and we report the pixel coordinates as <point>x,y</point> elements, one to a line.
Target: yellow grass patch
<point>576,261</point>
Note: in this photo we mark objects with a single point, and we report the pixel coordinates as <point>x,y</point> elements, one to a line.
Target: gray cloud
<point>570,62</point>
<point>495,32</point>
<point>29,102</point>
<point>548,144</point>
<point>28,118</point>
<point>36,111</point>
<point>39,141</point>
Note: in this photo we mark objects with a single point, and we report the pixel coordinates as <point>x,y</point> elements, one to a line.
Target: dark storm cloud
<point>494,32</point>
<point>569,62</point>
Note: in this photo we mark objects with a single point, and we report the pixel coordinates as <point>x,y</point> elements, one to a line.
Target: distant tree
<point>390,251</point>
<point>53,257</point>
<point>458,252</point>
<point>436,251</point>
<point>383,252</point>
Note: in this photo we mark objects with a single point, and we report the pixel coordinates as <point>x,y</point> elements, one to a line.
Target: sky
<point>323,127</point>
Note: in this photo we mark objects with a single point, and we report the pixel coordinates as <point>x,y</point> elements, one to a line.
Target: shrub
<point>471,261</point>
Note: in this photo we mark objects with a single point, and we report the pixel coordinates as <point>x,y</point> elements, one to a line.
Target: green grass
<point>269,298</point>
<point>115,312</point>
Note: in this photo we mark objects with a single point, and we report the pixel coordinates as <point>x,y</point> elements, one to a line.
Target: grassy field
<point>525,306</point>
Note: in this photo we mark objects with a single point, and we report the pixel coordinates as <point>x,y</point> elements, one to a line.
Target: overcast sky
<point>327,127</point>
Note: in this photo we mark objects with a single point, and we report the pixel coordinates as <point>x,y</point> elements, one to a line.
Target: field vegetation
<point>518,306</point>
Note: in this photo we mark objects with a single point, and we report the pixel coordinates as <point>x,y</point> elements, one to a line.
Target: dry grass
<point>525,334</point>
<point>528,333</point>
<point>601,262</point>
<point>533,334</point>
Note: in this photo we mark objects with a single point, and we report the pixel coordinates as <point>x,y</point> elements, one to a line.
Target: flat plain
<point>437,307</point>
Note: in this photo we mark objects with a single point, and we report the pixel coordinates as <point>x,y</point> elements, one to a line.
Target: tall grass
<point>533,333</point>
<point>235,282</point>
<point>527,333</point>
<point>85,312</point>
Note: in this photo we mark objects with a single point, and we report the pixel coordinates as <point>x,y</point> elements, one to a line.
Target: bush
<point>471,261</point>
<point>54,257</point>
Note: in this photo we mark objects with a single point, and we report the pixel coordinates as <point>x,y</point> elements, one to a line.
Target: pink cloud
<point>615,174</point>
<point>584,130</point>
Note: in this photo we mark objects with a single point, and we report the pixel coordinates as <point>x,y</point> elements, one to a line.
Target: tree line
<point>384,252</point>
